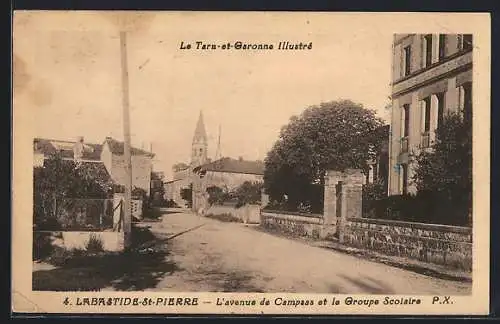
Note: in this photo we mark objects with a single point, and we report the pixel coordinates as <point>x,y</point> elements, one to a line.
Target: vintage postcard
<point>251,163</point>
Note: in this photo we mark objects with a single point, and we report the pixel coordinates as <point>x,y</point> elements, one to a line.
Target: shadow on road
<point>135,270</point>
<point>368,285</point>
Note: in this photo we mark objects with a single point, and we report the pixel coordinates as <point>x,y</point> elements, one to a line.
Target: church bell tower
<point>200,145</point>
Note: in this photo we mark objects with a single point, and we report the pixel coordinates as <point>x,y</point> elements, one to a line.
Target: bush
<point>42,245</point>
<point>217,195</point>
<point>309,200</point>
<point>248,193</point>
<point>94,244</point>
<point>372,192</point>
<point>425,207</point>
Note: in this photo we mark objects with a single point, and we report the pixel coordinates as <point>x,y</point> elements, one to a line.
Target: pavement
<point>209,255</point>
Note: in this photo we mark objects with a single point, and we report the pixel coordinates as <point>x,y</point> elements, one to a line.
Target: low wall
<point>112,241</point>
<point>297,224</point>
<point>248,214</point>
<point>450,246</point>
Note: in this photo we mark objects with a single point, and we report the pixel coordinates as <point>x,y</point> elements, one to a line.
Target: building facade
<point>109,153</point>
<point>431,76</point>
<point>202,173</point>
<point>227,174</point>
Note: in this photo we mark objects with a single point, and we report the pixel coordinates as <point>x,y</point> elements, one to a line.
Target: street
<point>209,255</point>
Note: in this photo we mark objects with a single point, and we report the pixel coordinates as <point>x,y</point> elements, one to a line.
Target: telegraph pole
<point>127,215</point>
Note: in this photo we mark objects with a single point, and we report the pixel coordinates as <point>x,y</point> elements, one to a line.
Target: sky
<point>67,73</point>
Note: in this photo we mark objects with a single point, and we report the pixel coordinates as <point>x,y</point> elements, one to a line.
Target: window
<point>441,102</point>
<point>428,50</point>
<point>406,131</point>
<point>442,46</point>
<point>404,175</point>
<point>467,87</point>
<point>407,67</point>
<point>427,114</point>
<point>467,42</point>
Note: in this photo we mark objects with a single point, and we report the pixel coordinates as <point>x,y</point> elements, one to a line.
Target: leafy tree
<point>444,173</point>
<point>61,179</point>
<point>334,135</point>
<point>217,195</point>
<point>248,193</point>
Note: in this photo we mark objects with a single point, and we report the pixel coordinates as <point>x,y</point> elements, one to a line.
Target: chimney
<point>35,144</point>
<point>240,158</point>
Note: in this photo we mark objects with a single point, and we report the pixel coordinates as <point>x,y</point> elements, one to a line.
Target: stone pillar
<point>352,199</point>
<point>330,199</point>
<point>452,96</point>
<point>434,118</point>
<point>353,186</point>
<point>264,199</point>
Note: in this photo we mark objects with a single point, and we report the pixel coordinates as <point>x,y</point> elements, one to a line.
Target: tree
<point>62,179</point>
<point>334,135</point>
<point>444,173</point>
<point>248,193</point>
<point>217,195</point>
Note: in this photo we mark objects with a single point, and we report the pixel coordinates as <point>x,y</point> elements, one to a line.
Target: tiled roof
<point>91,151</point>
<point>49,146</point>
<point>117,147</point>
<point>233,166</point>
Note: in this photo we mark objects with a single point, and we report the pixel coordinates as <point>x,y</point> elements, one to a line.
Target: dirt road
<point>216,256</point>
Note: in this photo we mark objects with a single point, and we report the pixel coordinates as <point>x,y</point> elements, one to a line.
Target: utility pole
<point>127,215</point>
<point>218,151</point>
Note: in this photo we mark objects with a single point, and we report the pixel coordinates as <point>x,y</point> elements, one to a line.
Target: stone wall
<point>450,246</point>
<point>296,224</point>
<point>111,241</point>
<point>248,214</point>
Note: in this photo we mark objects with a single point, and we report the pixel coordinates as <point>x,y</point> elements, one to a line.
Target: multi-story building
<point>431,76</point>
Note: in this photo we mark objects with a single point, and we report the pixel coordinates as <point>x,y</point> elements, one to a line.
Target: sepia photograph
<point>190,162</point>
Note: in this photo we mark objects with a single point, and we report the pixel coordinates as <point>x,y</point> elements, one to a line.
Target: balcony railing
<point>425,140</point>
<point>404,144</point>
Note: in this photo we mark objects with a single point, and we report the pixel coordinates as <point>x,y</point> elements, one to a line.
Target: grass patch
<point>225,217</point>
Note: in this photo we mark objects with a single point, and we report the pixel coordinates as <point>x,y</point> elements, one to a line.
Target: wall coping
<point>433,227</point>
<point>299,218</point>
<point>310,215</point>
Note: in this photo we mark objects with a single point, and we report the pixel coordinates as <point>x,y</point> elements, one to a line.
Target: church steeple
<point>200,145</point>
<point>200,134</point>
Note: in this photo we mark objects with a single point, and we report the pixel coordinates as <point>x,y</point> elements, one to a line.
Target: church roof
<point>200,134</point>
<point>233,166</point>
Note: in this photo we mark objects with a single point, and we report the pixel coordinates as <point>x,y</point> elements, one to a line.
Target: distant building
<point>225,173</point>
<point>230,173</point>
<point>183,173</point>
<point>109,154</point>
<point>431,75</point>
